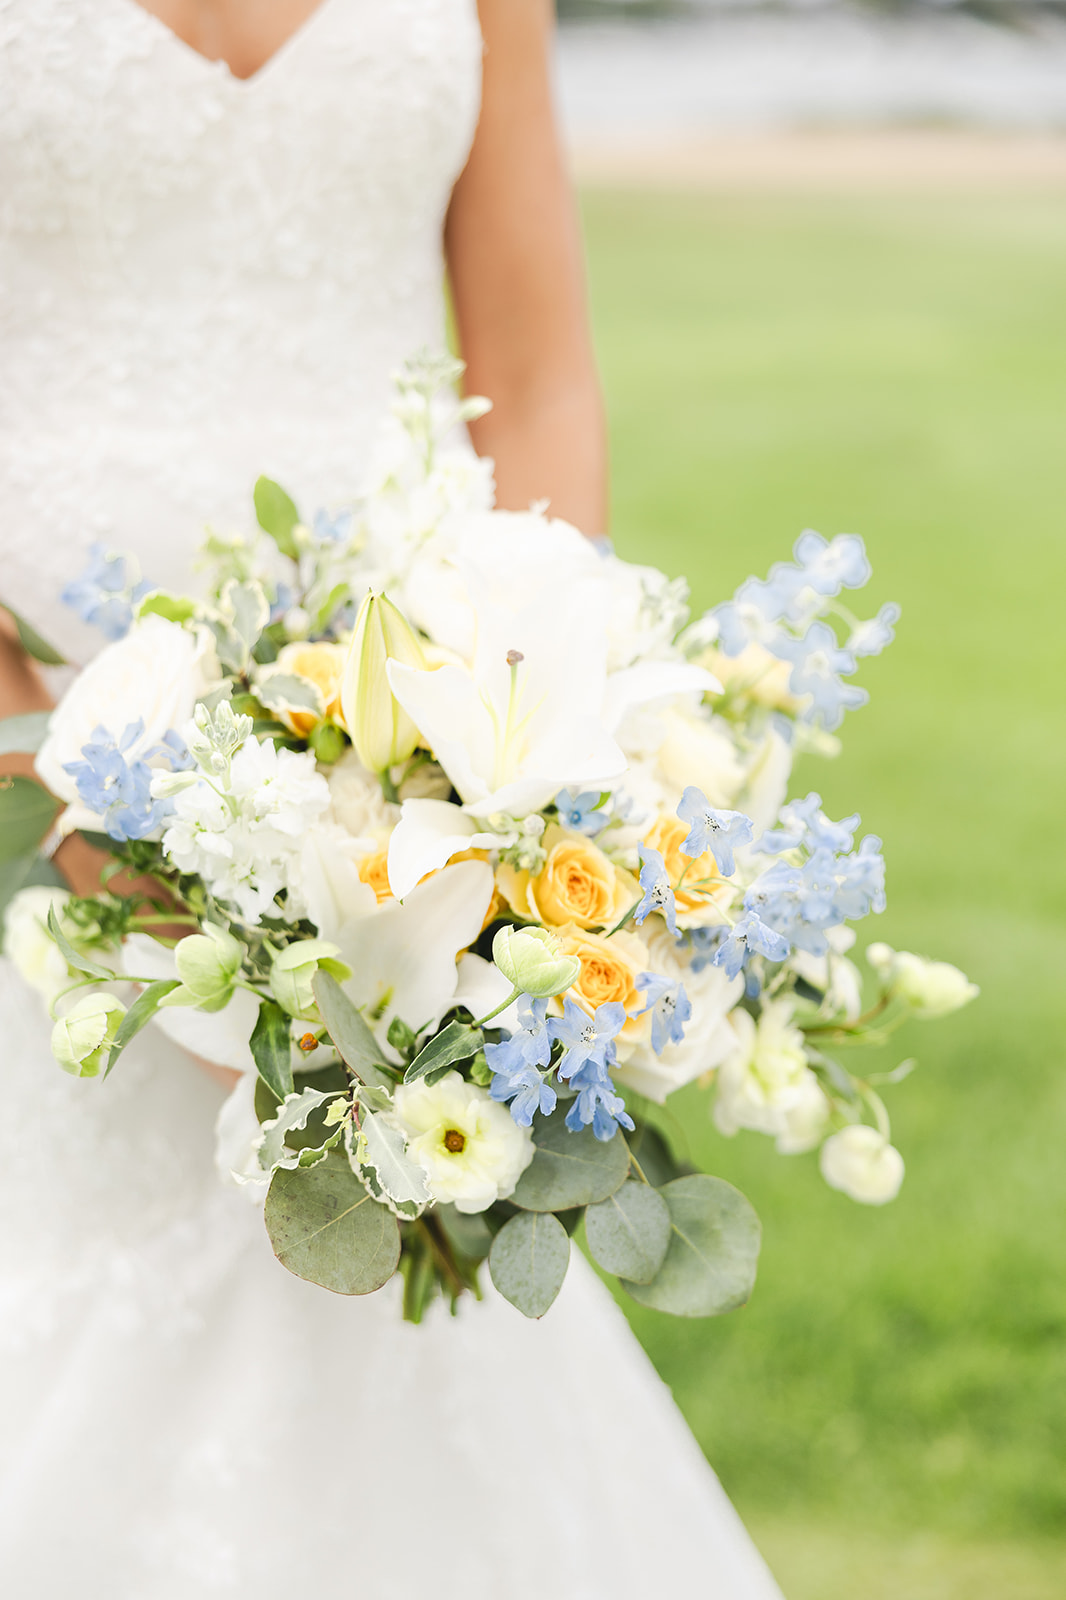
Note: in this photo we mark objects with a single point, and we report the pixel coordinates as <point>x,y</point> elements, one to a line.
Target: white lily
<point>403,957</point>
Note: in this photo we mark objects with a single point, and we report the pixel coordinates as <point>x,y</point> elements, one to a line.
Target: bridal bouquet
<point>480,849</point>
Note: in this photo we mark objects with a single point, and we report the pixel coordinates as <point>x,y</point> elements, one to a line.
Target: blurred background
<point>827,253</point>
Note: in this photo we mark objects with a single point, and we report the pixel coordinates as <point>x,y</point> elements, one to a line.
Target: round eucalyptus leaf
<point>325,1227</point>
<point>629,1232</point>
<point>711,1258</point>
<point>528,1261</point>
<point>570,1169</point>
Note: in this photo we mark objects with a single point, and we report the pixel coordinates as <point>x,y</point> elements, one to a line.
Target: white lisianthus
<point>862,1164</point>
<point>930,988</point>
<point>28,944</point>
<point>154,675</point>
<point>471,1150</point>
<point>243,833</point>
<point>766,1076</point>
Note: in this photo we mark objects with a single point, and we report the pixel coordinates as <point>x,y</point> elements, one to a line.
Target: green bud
<point>82,1040</point>
<point>207,964</point>
<point>533,962</point>
<point>381,731</point>
<point>294,968</point>
<point>328,743</point>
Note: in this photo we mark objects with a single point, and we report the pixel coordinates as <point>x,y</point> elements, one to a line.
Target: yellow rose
<point>702,878</point>
<point>610,965</point>
<point>322,664</point>
<point>577,884</point>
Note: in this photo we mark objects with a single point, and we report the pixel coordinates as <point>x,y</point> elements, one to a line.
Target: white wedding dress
<point>202,279</point>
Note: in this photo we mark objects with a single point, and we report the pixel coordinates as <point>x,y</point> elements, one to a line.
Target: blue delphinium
<point>119,791</point>
<point>658,891</point>
<point>670,1009</point>
<point>105,593</point>
<point>516,1062</point>
<point>828,566</point>
<point>817,664</point>
<point>588,1053</point>
<point>748,936</point>
<point>580,811</point>
<point>870,638</point>
<point>720,832</point>
<point>704,943</point>
<point>329,529</point>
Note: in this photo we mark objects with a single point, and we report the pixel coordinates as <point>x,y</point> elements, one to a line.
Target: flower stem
<point>511,998</point>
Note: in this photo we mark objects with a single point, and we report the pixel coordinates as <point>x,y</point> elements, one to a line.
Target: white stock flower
<point>154,675</point>
<point>862,1164</point>
<point>243,833</point>
<point>930,988</point>
<point>471,1149</point>
<point>28,944</point>
<point>766,1076</point>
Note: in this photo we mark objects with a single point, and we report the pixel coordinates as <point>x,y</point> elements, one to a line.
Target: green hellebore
<point>207,964</point>
<point>532,960</point>
<point>82,1040</point>
<point>293,969</point>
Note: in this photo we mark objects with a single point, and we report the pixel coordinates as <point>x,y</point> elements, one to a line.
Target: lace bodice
<point>204,278</point>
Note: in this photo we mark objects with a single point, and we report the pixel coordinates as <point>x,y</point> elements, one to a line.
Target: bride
<point>221,225</point>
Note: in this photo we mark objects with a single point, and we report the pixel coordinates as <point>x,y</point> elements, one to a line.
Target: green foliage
<point>457,1042</point>
<point>26,813</point>
<point>271,1047</point>
<point>74,958</point>
<point>570,1169</point>
<point>894,366</point>
<point>712,1254</point>
<point>628,1233</point>
<point>139,1014</point>
<point>32,642</point>
<point>325,1227</point>
<point>352,1039</point>
<point>276,515</point>
<point>528,1261</point>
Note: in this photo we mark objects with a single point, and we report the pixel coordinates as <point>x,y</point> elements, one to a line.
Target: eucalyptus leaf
<point>325,1226</point>
<point>570,1169</point>
<point>286,691</point>
<point>457,1042</point>
<point>291,1115</point>
<point>528,1261</point>
<point>24,733</point>
<point>26,813</point>
<point>713,1251</point>
<point>32,642</point>
<point>654,1155</point>
<point>467,1233</point>
<point>13,877</point>
<point>271,1047</point>
<point>74,958</point>
<point>352,1039</point>
<point>140,1012</point>
<point>628,1233</point>
<point>276,515</point>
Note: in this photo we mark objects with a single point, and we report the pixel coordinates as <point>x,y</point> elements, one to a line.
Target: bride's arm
<point>515,262</point>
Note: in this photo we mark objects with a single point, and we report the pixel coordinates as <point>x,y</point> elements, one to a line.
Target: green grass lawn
<point>896,1391</point>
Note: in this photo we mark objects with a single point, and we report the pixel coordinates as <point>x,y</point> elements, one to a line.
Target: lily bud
<point>380,729</point>
<point>532,960</point>
<point>207,964</point>
<point>293,969</point>
<point>82,1040</point>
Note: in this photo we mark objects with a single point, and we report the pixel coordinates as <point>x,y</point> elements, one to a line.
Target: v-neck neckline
<point>218,64</point>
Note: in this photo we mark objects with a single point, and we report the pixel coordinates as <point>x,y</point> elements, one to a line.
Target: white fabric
<point>202,279</point>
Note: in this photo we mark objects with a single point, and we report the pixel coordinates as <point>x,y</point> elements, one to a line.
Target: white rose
<point>700,749</point>
<point>708,1035</point>
<point>860,1161</point>
<point>30,947</point>
<point>471,1150</point>
<point>356,798</point>
<point>766,1076</point>
<point>155,675</point>
<point>930,988</point>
